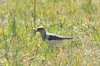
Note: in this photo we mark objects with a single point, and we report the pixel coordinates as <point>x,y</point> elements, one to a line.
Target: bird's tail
<point>68,38</point>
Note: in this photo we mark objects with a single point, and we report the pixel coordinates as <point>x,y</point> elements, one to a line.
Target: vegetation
<point>79,19</point>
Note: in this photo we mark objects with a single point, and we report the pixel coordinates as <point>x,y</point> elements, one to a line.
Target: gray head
<point>42,31</point>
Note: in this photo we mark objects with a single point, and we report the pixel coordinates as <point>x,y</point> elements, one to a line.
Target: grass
<point>72,18</point>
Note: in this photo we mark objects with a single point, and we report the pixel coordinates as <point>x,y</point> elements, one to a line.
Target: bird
<point>51,38</point>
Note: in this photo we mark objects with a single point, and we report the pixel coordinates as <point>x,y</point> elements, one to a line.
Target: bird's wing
<point>56,37</point>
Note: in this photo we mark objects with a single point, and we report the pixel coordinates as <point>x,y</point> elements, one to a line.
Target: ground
<point>21,46</point>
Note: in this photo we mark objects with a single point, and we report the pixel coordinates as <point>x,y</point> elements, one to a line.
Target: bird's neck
<point>43,34</point>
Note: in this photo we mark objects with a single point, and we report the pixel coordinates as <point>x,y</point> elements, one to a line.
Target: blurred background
<point>20,45</point>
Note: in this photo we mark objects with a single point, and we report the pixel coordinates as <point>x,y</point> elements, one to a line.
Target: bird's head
<point>40,29</point>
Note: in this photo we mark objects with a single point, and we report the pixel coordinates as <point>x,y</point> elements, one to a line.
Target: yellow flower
<point>48,11</point>
<point>60,52</point>
<point>0,31</point>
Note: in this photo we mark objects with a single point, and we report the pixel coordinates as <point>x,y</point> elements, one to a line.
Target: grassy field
<point>80,19</point>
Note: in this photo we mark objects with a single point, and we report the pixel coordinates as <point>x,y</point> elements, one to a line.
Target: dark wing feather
<point>55,37</point>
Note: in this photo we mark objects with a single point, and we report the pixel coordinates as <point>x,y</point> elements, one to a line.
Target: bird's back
<point>55,39</point>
